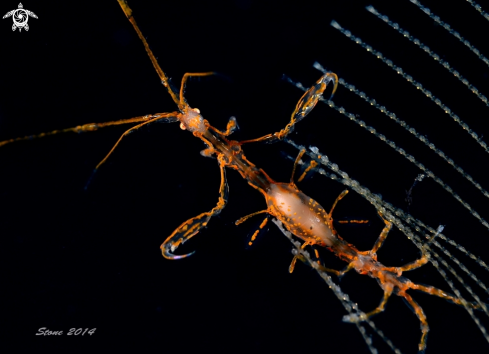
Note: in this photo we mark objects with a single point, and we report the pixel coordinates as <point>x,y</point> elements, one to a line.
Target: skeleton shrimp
<point>287,187</point>
<point>300,214</point>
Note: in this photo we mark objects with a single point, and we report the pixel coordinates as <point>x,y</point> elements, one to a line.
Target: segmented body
<point>393,186</point>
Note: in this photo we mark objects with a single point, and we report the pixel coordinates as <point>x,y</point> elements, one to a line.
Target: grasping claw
<point>165,250</point>
<point>191,227</point>
<point>183,233</point>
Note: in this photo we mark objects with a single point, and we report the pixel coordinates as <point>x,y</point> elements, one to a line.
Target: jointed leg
<point>345,192</point>
<point>410,266</point>
<point>244,218</point>
<point>422,318</point>
<point>353,221</point>
<point>262,225</point>
<point>298,256</point>
<point>316,253</point>
<point>358,318</point>
<point>329,270</point>
<point>305,105</point>
<point>413,265</point>
<point>255,234</point>
<point>192,226</point>
<point>383,235</point>
<point>320,266</point>
<point>440,293</point>
<point>230,128</point>
<point>381,307</point>
<point>312,165</point>
<point>346,270</point>
<point>296,162</point>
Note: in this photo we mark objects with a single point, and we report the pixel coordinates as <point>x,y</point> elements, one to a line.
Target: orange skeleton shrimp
<point>300,214</point>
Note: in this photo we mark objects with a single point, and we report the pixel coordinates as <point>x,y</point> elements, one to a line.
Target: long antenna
<point>164,79</point>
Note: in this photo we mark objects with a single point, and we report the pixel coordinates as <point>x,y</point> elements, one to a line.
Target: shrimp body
<point>307,219</point>
<point>301,215</point>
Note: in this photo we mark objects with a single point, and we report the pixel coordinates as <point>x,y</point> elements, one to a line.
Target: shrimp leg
<point>244,218</point>
<point>296,162</point>
<point>410,266</point>
<point>398,270</point>
<point>255,234</point>
<point>387,293</point>
<point>383,235</point>
<point>388,288</point>
<point>312,165</point>
<point>345,192</point>
<point>319,265</point>
<point>305,105</point>
<point>440,293</point>
<point>230,128</point>
<point>298,256</point>
<point>422,318</point>
<point>192,226</point>
<point>413,265</point>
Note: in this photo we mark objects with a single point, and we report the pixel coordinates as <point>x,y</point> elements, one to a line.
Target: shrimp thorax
<point>301,215</point>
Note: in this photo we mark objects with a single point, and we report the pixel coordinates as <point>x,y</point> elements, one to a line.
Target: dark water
<point>91,259</point>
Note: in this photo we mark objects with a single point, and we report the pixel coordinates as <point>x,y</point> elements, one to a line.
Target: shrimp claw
<point>305,105</point>
<point>192,226</point>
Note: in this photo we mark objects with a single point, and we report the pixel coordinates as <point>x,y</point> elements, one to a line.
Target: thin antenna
<point>164,79</point>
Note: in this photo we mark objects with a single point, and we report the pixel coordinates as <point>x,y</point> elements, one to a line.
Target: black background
<point>76,259</point>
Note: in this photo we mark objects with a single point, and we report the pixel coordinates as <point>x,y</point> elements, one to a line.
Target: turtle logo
<point>20,17</point>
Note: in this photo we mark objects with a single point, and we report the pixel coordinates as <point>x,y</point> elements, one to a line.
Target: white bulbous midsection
<point>301,215</point>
